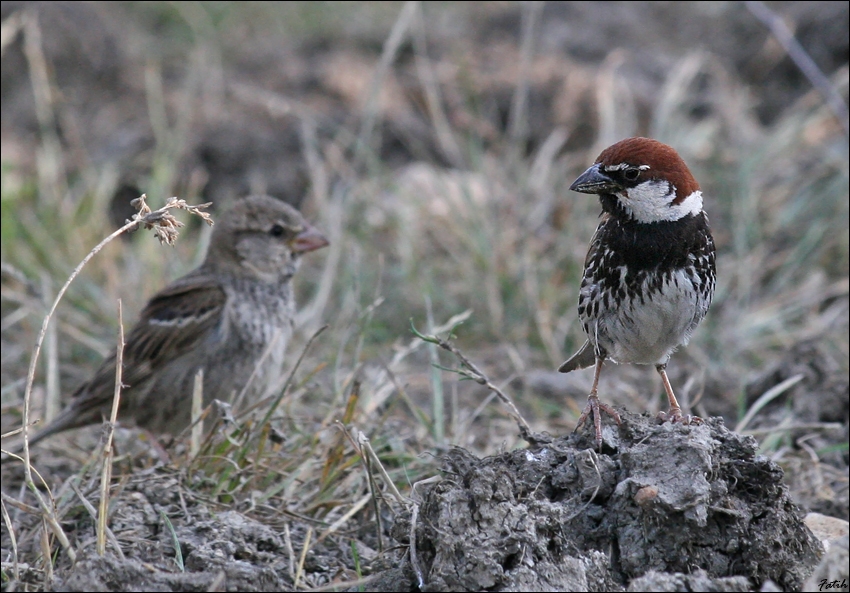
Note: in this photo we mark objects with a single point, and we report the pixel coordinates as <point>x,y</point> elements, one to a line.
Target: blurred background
<point>434,144</point>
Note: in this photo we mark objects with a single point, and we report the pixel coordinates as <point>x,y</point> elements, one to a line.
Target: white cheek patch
<point>690,205</point>
<point>652,201</point>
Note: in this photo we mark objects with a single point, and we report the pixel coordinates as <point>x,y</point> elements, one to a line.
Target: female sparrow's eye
<point>631,174</point>
<point>276,231</point>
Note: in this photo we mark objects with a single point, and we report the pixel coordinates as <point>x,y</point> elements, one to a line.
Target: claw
<point>595,408</point>
<point>675,416</point>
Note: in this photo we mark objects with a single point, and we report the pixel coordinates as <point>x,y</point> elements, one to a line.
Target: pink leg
<point>674,414</point>
<point>595,407</point>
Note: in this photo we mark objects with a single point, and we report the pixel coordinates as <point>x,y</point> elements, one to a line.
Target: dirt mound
<point>667,503</point>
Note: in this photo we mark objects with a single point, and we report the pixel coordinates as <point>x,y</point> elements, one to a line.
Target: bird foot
<point>595,408</point>
<point>675,416</point>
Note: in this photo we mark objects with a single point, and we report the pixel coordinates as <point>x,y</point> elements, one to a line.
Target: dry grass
<point>498,236</point>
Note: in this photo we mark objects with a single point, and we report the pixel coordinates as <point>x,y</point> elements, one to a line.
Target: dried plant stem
<point>355,508</point>
<point>106,470</point>
<point>52,179</point>
<point>51,400</point>
<point>437,396</point>
<point>803,60</point>
<point>165,227</point>
<point>414,557</point>
<point>518,118</point>
<point>44,544</point>
<point>388,55</point>
<point>469,370</point>
<point>362,445</point>
<point>767,397</point>
<point>370,459</point>
<point>290,552</point>
<point>197,407</point>
<point>795,427</point>
<point>431,86</point>
<point>402,353</point>
<point>303,557</point>
<point>13,542</point>
<point>11,26</point>
<point>345,585</point>
<point>286,385</point>
<point>94,516</point>
<point>376,503</point>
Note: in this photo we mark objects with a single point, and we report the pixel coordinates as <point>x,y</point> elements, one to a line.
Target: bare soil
<point>661,507</point>
<point>663,502</point>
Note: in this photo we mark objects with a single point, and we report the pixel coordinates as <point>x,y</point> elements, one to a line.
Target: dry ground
<point>434,145</point>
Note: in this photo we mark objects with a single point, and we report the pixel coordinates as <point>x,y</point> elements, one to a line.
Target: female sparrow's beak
<point>309,239</point>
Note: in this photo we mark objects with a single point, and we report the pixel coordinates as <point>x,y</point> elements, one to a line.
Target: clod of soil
<point>677,506</point>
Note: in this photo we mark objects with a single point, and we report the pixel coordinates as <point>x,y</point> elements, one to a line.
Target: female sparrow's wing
<point>174,323</point>
<point>241,295</point>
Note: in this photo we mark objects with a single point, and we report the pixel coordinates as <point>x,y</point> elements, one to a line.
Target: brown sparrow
<point>231,317</point>
<point>649,275</point>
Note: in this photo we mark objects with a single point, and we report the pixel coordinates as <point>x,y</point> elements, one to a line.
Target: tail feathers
<point>66,420</point>
<point>69,418</point>
<point>585,357</point>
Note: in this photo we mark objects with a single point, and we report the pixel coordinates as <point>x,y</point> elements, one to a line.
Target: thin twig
<point>437,399</point>
<point>12,540</point>
<point>469,370</point>
<point>517,121</point>
<point>51,370</point>
<point>376,503</point>
<point>382,393</point>
<point>218,582</point>
<point>766,398</point>
<point>9,30</point>
<point>258,368</point>
<point>414,557</point>
<point>106,470</point>
<point>287,543</point>
<point>286,385</point>
<point>197,407</point>
<point>44,544</point>
<point>51,175</point>
<point>345,585</point>
<point>388,55</point>
<point>165,228</point>
<point>361,443</point>
<point>94,516</point>
<point>443,130</point>
<point>802,59</point>
<point>303,557</point>
<point>336,525</point>
<point>366,459</point>
<point>807,426</point>
<point>21,506</point>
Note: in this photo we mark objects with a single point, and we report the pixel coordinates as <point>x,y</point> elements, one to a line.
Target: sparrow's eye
<point>276,231</point>
<point>631,174</point>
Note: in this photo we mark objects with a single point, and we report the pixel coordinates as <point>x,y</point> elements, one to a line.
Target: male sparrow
<point>231,317</point>
<point>649,275</point>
